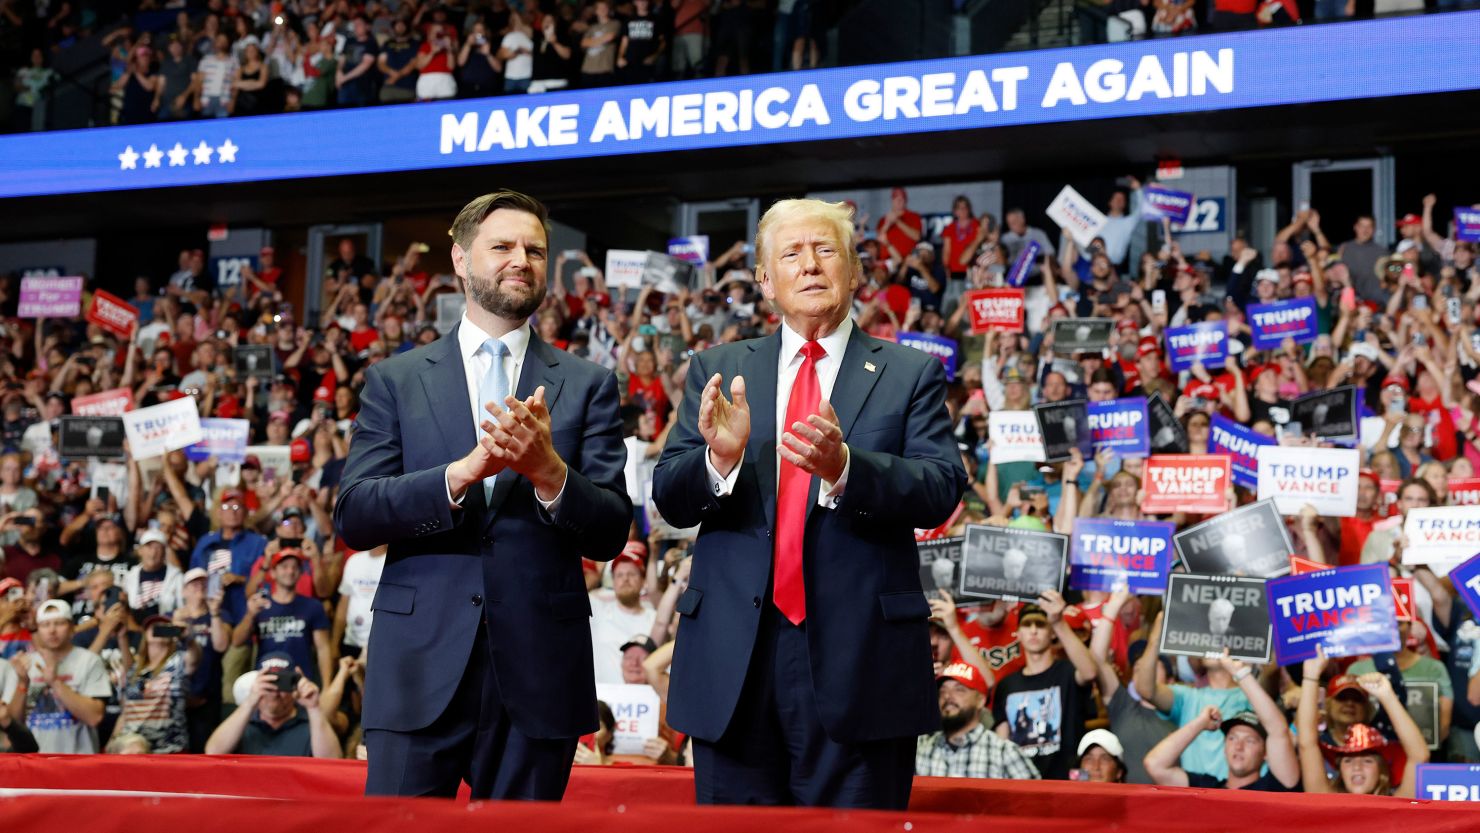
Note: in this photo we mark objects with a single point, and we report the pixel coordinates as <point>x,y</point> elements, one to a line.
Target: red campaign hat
<point>1409,220</point>
<point>634,553</point>
<point>8,584</point>
<point>1400,380</point>
<point>1259,370</point>
<point>1127,324</point>
<point>323,394</point>
<point>1303,276</point>
<point>1360,739</point>
<point>1148,344</point>
<point>229,407</point>
<point>964,674</point>
<point>1371,475</point>
<point>286,553</point>
<point>299,452</point>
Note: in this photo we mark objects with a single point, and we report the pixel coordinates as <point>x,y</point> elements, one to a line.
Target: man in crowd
<point>65,687</point>
<point>230,551</point>
<point>1042,706</point>
<point>618,614</point>
<point>279,716</point>
<point>284,622</point>
<point>964,747</point>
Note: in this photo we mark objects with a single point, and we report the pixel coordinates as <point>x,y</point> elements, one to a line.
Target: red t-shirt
<point>439,63</point>
<point>998,644</point>
<point>1446,443</point>
<point>901,242</point>
<point>362,339</point>
<point>304,587</point>
<point>961,234</point>
<point>649,396</point>
<point>1354,532</point>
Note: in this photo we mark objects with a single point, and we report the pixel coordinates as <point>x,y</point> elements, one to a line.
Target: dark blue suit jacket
<point>867,630</point>
<point>504,559</point>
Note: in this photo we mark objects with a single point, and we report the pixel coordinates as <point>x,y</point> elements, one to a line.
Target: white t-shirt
<point>361,579</point>
<point>57,731</point>
<point>519,67</point>
<point>611,627</point>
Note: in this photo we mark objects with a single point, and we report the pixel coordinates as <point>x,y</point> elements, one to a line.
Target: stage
<point>123,794</point>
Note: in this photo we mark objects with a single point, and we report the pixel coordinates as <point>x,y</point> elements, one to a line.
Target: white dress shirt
<point>470,340</point>
<point>789,363</point>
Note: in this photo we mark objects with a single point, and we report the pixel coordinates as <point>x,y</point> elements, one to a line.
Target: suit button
<point>477,600</point>
<point>756,601</point>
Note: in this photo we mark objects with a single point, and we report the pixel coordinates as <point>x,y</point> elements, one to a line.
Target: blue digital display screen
<point>1367,59</point>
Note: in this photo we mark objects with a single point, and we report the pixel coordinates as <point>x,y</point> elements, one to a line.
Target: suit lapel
<point>540,363</point>
<point>862,365</point>
<point>446,385</point>
<point>759,370</point>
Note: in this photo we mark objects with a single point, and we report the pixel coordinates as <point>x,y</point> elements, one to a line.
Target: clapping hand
<point>724,424</point>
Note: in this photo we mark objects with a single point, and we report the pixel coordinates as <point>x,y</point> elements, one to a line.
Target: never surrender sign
<point>1120,425</point>
<point>1206,615</point>
<point>1325,478</point>
<point>1206,342</point>
<point>940,567</point>
<point>999,562</point>
<point>1347,611</point>
<point>995,310</point>
<point>1195,483</point>
<point>1241,443</point>
<point>1249,541</point>
<point>1106,554</point>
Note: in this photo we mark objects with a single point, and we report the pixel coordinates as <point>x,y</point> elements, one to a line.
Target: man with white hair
<point>943,571</point>
<point>804,672</point>
<point>61,696</point>
<point>1235,554</point>
<point>1220,616</point>
<point>1014,561</point>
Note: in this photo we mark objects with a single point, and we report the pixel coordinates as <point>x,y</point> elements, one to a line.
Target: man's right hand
<point>485,460</point>
<point>725,425</point>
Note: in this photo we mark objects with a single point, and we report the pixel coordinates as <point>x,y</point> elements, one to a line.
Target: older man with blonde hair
<point>802,669</point>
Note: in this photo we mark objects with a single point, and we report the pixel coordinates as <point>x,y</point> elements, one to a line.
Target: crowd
<point>222,58</point>
<point>179,604</point>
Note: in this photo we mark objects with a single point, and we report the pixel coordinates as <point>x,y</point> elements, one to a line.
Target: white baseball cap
<point>53,610</point>
<point>1103,738</point>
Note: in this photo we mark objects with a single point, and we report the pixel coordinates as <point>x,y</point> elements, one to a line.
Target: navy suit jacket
<point>867,631</point>
<point>505,558</point>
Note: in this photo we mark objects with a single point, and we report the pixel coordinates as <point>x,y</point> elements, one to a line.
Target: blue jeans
<point>519,85</point>
<point>213,107</point>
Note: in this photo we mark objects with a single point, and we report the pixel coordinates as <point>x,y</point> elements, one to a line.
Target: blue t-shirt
<point>1205,753</point>
<point>244,548</point>
<point>289,628</point>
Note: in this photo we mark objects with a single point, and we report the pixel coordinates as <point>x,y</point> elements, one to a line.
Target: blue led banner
<point>1366,59</point>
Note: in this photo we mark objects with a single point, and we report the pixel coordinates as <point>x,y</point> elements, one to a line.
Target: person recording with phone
<point>279,715</point>
<point>158,683</point>
<point>29,553</point>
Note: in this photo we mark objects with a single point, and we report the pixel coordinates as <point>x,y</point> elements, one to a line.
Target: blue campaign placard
<point>1273,323</point>
<point>940,347</point>
<point>1448,782</point>
<point>1467,224</point>
<point>1347,611</point>
<point>1018,274</point>
<point>1120,425</point>
<point>1105,554</point>
<point>1158,201</point>
<point>1466,579</point>
<point>1241,443</point>
<point>1206,342</point>
<point>224,439</point>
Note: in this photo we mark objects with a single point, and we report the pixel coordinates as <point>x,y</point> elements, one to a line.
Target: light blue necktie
<point>494,387</point>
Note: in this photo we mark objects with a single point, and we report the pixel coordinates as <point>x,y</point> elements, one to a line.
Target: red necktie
<point>789,592</point>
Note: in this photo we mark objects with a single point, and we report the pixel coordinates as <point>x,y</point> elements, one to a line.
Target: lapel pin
<point>869,366</point>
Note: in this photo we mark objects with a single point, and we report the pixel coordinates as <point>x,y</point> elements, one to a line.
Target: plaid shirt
<point>981,754</point>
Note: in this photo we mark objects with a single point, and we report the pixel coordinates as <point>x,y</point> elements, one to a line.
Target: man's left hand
<point>816,446</point>
<point>523,433</point>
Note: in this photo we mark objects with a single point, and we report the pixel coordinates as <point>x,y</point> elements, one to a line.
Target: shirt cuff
<point>722,485</point>
<point>828,494</point>
<point>452,503</point>
<point>553,503</point>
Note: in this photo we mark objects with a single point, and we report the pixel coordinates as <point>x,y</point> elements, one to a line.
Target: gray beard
<point>485,293</point>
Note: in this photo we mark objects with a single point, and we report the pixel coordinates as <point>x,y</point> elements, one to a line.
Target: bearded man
<point>490,463</point>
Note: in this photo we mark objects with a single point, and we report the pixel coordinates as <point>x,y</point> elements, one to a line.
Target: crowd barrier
<point>249,794</point>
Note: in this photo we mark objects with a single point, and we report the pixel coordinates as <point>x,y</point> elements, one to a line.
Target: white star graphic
<point>202,153</point>
<point>227,152</point>
<point>128,160</point>
<point>177,155</point>
<point>152,156</point>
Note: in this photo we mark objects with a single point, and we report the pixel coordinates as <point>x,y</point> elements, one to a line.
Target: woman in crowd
<point>154,698</point>
<point>1361,759</point>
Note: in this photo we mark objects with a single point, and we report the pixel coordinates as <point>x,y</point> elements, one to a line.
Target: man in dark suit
<point>802,667</point>
<point>490,462</point>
